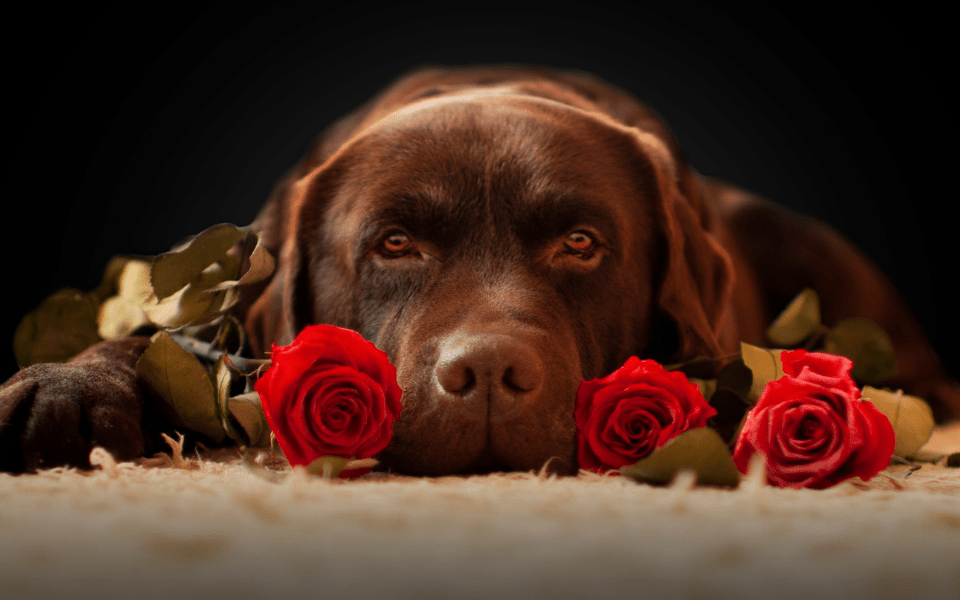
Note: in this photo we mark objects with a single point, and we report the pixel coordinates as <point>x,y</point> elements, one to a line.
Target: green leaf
<point>764,365</point>
<point>248,411</point>
<point>328,467</point>
<point>699,450</point>
<point>64,325</point>
<point>797,322</point>
<point>175,269</point>
<point>867,345</point>
<point>911,417</point>
<point>178,378</point>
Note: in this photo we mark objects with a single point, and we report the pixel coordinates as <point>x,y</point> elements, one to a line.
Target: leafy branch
<point>187,294</point>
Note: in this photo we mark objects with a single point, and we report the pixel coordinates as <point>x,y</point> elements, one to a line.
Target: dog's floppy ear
<point>697,276</point>
<point>295,218</point>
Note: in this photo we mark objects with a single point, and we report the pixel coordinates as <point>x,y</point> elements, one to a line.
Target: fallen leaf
<point>700,450</point>
<point>177,377</point>
<point>64,325</point>
<point>248,412</point>
<point>911,418</point>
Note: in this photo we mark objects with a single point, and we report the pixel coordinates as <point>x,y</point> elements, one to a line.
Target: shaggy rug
<point>215,526</point>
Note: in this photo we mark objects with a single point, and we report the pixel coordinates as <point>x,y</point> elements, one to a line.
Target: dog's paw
<point>55,414</point>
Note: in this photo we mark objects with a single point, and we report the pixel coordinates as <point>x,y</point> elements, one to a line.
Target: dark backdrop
<point>131,132</point>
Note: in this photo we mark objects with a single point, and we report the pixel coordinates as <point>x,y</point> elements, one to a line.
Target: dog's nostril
<point>488,366</point>
<point>510,382</point>
<point>459,380</point>
<point>469,381</point>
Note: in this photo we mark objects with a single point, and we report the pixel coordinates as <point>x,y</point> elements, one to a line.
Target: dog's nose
<point>490,373</point>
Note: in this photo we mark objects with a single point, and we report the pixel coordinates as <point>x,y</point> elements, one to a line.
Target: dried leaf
<point>797,322</point>
<point>109,283</point>
<point>764,365</point>
<point>248,412</point>
<point>261,265</point>
<point>64,325</point>
<point>119,317</point>
<point>122,313</point>
<point>190,306</point>
<point>867,345</point>
<point>175,269</point>
<point>699,450</point>
<point>911,417</point>
<point>177,377</point>
<point>222,380</point>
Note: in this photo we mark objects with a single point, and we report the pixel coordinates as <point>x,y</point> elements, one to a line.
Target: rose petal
<point>633,434</point>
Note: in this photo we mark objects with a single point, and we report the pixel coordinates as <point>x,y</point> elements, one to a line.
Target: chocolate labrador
<point>501,234</point>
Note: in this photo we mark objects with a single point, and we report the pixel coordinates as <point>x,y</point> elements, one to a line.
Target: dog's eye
<point>579,243</point>
<point>396,244</point>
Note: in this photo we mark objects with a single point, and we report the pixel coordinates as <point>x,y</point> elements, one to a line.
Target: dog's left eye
<point>580,243</point>
<point>397,243</point>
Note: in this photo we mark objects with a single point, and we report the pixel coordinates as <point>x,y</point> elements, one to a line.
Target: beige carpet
<point>179,527</point>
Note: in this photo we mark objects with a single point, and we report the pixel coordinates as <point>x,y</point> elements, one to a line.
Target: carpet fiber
<point>189,527</point>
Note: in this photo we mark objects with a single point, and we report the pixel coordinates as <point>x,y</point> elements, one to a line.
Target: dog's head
<point>500,247</point>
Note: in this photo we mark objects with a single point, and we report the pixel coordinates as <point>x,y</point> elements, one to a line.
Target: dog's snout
<point>488,372</point>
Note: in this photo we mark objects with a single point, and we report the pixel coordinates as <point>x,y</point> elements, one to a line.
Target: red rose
<point>812,426</point>
<point>819,367</point>
<point>330,393</point>
<point>628,414</point>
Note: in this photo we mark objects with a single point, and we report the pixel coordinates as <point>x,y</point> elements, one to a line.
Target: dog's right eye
<point>396,244</point>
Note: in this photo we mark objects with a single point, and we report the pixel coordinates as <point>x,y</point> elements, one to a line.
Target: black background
<point>133,131</point>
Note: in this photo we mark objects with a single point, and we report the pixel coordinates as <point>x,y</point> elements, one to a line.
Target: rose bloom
<point>628,414</point>
<point>812,426</point>
<point>330,393</point>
